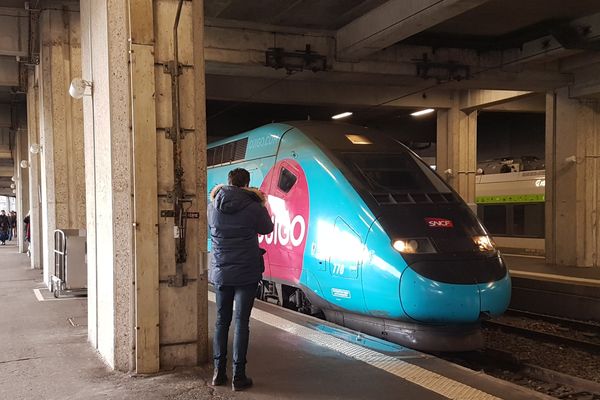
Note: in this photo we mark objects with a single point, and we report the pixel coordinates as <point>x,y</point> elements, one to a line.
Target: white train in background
<point>511,206</point>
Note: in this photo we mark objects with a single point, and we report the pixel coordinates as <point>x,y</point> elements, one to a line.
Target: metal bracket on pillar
<point>182,132</point>
<point>172,69</point>
<point>179,233</point>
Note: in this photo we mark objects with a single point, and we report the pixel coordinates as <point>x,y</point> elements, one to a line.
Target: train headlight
<point>483,243</point>
<point>413,246</point>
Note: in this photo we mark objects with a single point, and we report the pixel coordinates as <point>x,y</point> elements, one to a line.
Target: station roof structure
<point>390,52</point>
<point>362,53</point>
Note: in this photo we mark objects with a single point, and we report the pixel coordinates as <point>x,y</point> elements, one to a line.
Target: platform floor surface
<point>535,267</point>
<point>44,354</point>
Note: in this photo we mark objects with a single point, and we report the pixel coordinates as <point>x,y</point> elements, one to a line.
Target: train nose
<point>430,301</point>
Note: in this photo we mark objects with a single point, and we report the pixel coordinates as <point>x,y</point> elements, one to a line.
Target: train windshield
<point>394,173</point>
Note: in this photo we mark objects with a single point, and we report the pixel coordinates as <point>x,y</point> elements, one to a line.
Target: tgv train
<point>511,206</point>
<point>368,235</point>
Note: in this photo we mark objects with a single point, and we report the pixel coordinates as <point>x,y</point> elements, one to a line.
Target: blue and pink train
<point>367,235</point>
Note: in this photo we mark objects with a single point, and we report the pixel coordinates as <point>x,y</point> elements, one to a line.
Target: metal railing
<point>60,256</point>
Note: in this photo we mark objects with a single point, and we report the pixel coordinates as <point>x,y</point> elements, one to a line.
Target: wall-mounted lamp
<point>24,164</point>
<point>35,148</point>
<point>80,88</point>
<point>448,173</point>
<point>571,160</point>
<point>14,191</point>
<point>13,179</point>
<point>13,186</point>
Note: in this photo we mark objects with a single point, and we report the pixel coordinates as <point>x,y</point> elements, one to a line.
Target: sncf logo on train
<point>439,223</point>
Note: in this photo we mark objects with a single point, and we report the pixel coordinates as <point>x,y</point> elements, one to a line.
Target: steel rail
<point>585,345</point>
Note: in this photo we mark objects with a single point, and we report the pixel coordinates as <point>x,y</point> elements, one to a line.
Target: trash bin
<point>70,266</point>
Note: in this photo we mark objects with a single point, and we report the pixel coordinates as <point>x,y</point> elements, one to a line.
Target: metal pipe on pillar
<point>177,195</point>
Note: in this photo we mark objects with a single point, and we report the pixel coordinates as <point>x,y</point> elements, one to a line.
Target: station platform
<point>536,267</point>
<point>569,292</point>
<point>44,354</point>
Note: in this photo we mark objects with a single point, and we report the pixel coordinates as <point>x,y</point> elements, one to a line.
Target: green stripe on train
<point>511,198</point>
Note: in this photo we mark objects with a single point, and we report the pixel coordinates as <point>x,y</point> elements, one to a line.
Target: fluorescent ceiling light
<point>342,115</point>
<point>422,112</point>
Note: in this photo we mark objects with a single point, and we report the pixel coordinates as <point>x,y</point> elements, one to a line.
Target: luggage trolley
<point>70,269</point>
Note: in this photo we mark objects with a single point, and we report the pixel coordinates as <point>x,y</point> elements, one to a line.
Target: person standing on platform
<point>236,216</point>
<point>27,232</point>
<point>13,225</point>
<point>27,228</point>
<point>4,227</point>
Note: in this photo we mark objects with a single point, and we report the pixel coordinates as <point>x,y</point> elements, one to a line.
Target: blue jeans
<point>243,296</point>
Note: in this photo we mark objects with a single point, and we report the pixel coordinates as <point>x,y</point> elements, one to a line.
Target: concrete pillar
<point>108,180</point>
<point>22,179</point>
<point>61,130</point>
<point>139,318</point>
<point>572,180</point>
<point>457,149</point>
<point>34,171</point>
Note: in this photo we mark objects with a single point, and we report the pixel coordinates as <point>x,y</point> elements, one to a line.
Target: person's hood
<point>231,199</point>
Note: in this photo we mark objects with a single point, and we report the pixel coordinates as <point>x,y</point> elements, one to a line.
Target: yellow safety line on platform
<point>432,381</point>
<point>554,277</point>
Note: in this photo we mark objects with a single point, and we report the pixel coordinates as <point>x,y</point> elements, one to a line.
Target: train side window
<point>528,220</point>
<point>210,155</point>
<point>494,219</point>
<point>286,180</point>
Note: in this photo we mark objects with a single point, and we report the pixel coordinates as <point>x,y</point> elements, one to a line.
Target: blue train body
<point>367,234</point>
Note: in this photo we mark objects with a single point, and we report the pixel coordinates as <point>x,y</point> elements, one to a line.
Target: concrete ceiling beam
<point>585,90</point>
<point>395,21</point>
<point>580,61</point>
<point>323,93</point>
<point>478,99</point>
<point>372,78</point>
<point>5,121</point>
<point>535,80</point>
<point>7,171</point>
<point>587,80</point>
<point>9,71</point>
<point>5,152</point>
<point>216,7</point>
<point>253,27</point>
<point>246,43</point>
<point>532,104</point>
<point>581,33</point>
<point>234,50</point>
<point>544,49</point>
<point>14,28</point>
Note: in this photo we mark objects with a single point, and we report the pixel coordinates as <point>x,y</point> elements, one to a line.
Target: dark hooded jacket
<point>236,216</point>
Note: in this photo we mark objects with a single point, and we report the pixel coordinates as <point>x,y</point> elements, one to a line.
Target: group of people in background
<point>8,226</point>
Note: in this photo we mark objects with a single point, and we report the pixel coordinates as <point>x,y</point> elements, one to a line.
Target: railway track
<point>507,366</point>
<point>507,358</point>
<point>578,334</point>
<point>554,319</point>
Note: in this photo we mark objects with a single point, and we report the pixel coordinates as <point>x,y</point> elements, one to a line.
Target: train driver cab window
<point>286,180</point>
